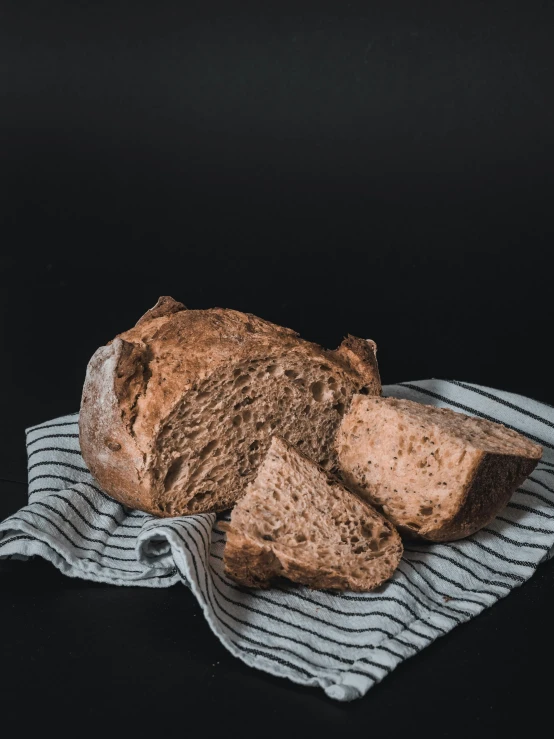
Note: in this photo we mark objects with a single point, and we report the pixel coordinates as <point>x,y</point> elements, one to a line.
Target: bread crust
<point>494,480</point>
<point>134,383</point>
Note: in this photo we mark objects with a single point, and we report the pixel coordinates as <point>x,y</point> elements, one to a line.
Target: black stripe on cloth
<point>445,606</point>
<point>523,526</point>
<point>418,633</point>
<point>473,411</point>
<point>52,436</point>
<point>287,637</point>
<point>53,477</point>
<point>394,582</point>
<point>263,613</point>
<point>538,496</point>
<point>54,449</point>
<point>170,573</point>
<point>49,426</point>
<point>394,654</point>
<point>500,556</point>
<point>91,551</point>
<point>84,536</point>
<point>58,464</point>
<point>72,480</point>
<point>94,508</point>
<point>15,538</point>
<point>347,597</point>
<point>548,464</point>
<point>479,544</point>
<point>496,583</point>
<point>305,614</point>
<point>319,604</point>
<point>433,553</point>
<point>386,668</point>
<point>448,580</point>
<point>542,484</point>
<point>84,497</point>
<point>406,644</point>
<point>225,625</point>
<point>405,627</point>
<point>70,540</point>
<point>527,509</point>
<point>500,400</point>
<point>372,598</point>
<point>367,661</point>
<point>270,657</point>
<point>83,518</point>
<point>501,573</point>
<point>343,596</point>
<point>514,542</point>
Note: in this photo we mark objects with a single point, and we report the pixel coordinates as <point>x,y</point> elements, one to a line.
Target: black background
<point>383,169</point>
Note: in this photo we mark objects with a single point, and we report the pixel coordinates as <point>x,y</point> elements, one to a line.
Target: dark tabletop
<point>379,169</point>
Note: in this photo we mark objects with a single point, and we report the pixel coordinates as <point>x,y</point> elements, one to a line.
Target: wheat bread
<point>297,521</point>
<point>435,473</point>
<point>177,412</point>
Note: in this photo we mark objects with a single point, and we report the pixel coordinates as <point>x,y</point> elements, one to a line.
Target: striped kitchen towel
<point>344,643</point>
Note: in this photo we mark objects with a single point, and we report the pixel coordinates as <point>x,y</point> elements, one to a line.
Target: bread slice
<point>177,412</point>
<point>296,521</point>
<point>435,473</point>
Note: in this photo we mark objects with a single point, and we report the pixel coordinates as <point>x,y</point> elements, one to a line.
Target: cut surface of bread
<point>177,412</point>
<point>298,522</point>
<point>435,473</point>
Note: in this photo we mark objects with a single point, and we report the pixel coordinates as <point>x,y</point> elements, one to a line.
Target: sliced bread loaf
<point>177,412</point>
<point>435,473</point>
<point>296,521</point>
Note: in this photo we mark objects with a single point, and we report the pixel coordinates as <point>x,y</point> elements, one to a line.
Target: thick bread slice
<point>177,412</point>
<point>296,521</point>
<point>435,473</point>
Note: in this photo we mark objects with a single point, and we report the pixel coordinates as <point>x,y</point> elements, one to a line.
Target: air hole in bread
<point>316,389</point>
<point>173,473</point>
<point>207,449</point>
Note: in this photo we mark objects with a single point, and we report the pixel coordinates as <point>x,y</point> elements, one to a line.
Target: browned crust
<point>165,306</point>
<point>135,382</point>
<point>109,450</point>
<point>361,356</point>
<point>496,478</point>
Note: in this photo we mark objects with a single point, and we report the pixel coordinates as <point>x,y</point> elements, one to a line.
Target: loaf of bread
<point>435,473</point>
<point>177,412</point>
<point>296,521</point>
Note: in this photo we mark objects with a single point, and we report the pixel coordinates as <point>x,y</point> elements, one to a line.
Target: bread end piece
<point>437,474</point>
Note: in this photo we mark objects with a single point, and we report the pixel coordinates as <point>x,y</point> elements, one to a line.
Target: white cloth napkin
<point>344,643</point>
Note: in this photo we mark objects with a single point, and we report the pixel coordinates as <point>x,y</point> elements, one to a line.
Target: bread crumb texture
<point>296,521</point>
